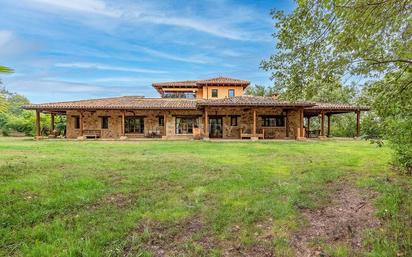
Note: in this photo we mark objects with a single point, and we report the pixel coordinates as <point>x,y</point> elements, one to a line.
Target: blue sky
<point>76,49</point>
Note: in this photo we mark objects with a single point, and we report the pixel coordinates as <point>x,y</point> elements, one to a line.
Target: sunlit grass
<point>68,198</point>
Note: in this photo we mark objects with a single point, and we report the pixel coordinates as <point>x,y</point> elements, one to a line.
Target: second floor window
<point>105,122</point>
<point>214,92</point>
<point>231,93</point>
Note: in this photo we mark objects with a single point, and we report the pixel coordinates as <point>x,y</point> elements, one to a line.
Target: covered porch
<point>323,113</point>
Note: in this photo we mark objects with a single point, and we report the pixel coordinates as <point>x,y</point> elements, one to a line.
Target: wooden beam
<point>322,124</point>
<point>357,123</point>
<point>123,130</point>
<point>52,122</point>
<point>254,123</point>
<point>302,128</point>
<point>165,124</point>
<point>328,132</point>
<point>81,123</point>
<point>206,128</point>
<point>38,129</point>
<point>287,123</point>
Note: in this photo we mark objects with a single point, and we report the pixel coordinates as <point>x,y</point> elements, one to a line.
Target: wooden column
<point>81,123</point>
<point>357,123</point>
<point>38,128</point>
<point>322,124</point>
<point>287,124</point>
<point>302,121</point>
<point>52,122</point>
<point>328,131</point>
<point>254,123</point>
<point>165,124</point>
<point>206,128</point>
<point>122,129</point>
<point>308,128</point>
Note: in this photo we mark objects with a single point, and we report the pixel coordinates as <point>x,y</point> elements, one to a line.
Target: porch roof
<point>139,102</point>
<point>116,103</point>
<point>333,108</point>
<point>252,101</point>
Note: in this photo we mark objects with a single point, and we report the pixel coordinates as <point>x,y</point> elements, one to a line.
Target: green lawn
<point>189,198</point>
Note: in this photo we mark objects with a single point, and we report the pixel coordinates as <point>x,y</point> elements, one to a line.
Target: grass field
<point>69,198</point>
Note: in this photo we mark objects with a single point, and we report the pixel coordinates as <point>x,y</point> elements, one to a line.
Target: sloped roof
<point>123,102</point>
<point>198,83</point>
<point>250,101</point>
<point>139,102</point>
<point>336,107</point>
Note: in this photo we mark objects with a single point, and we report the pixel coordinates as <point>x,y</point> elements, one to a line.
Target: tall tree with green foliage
<point>325,45</point>
<point>259,90</point>
<point>3,102</point>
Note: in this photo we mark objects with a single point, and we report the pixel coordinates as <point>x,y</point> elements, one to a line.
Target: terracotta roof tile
<point>250,101</point>
<point>336,107</point>
<point>198,83</point>
<point>124,102</point>
<point>139,102</point>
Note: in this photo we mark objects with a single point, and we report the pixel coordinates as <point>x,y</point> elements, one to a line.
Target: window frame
<point>235,123</point>
<point>267,123</point>
<point>231,90</point>
<point>214,90</point>
<point>189,131</point>
<point>127,125</point>
<point>76,122</point>
<point>161,121</point>
<point>104,122</point>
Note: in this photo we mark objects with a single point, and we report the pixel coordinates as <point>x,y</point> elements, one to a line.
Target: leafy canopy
<point>328,49</point>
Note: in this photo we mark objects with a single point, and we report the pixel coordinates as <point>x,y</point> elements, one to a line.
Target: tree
<point>3,102</point>
<point>326,45</point>
<point>259,90</point>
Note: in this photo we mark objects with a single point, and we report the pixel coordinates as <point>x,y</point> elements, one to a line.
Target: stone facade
<point>92,120</point>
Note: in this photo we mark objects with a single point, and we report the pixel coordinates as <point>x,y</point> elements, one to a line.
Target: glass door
<point>215,127</point>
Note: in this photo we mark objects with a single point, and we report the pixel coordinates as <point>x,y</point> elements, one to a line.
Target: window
<point>171,94</point>
<point>76,122</point>
<point>105,122</point>
<point>273,121</point>
<point>185,125</point>
<point>161,121</point>
<point>214,92</point>
<point>233,120</point>
<point>133,124</point>
<point>231,93</point>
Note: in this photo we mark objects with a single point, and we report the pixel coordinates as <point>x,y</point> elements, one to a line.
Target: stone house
<point>200,109</point>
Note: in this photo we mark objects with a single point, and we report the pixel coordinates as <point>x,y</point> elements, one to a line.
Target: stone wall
<point>92,121</point>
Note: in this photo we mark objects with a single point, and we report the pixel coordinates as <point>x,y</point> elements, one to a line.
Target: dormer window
<point>231,93</point>
<point>214,92</point>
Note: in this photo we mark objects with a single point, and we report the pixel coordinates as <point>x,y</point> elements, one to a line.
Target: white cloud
<point>191,59</point>
<point>87,6</point>
<point>5,37</point>
<point>228,23</point>
<point>98,66</point>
